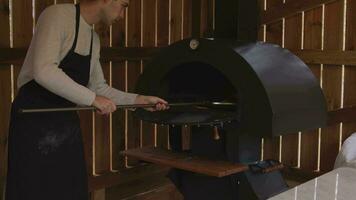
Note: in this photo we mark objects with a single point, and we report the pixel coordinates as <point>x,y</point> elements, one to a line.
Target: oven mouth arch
<point>195,82</point>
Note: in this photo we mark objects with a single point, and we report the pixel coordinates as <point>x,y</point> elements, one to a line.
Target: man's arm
<point>97,83</point>
<point>46,43</point>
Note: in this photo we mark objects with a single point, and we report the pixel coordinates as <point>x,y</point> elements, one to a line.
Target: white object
<point>347,154</point>
<point>339,184</point>
<point>194,44</point>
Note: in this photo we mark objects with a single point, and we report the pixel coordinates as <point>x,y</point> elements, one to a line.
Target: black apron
<point>46,155</point>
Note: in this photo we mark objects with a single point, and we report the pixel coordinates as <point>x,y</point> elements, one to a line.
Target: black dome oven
<point>259,90</point>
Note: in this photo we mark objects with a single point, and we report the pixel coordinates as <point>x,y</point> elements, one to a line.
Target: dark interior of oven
<point>195,82</point>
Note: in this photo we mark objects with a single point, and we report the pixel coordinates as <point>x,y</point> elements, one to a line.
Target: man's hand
<point>104,105</point>
<point>160,103</point>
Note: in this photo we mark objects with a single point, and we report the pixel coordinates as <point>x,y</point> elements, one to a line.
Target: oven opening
<point>214,98</point>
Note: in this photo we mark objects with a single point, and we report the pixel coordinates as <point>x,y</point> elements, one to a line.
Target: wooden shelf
<point>185,162</point>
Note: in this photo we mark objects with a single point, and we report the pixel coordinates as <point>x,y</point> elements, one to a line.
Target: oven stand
<point>232,146</point>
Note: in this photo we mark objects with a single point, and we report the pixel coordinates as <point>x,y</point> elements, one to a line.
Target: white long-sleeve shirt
<point>53,38</point>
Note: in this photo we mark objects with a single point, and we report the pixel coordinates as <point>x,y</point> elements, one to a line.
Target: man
<point>61,69</point>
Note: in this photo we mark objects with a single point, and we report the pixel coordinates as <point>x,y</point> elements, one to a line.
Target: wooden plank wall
<point>147,23</point>
<point>309,26</point>
<point>301,25</point>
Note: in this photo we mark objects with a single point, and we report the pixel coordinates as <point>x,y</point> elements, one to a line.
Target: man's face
<point>113,10</point>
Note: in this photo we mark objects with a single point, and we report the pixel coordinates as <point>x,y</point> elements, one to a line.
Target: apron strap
<point>77,21</point>
<point>91,43</point>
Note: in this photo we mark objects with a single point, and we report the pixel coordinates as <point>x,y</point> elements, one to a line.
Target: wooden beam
<point>290,8</point>
<point>332,57</point>
<point>12,55</point>
<point>17,55</point>
<point>125,176</point>
<point>329,57</point>
<point>343,115</point>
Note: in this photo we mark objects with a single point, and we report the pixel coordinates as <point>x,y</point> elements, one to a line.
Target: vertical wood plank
<point>5,93</point>
<point>260,33</point>
<point>149,23</point>
<point>350,72</point>
<point>293,34</point>
<point>162,40</point>
<point>312,40</point>
<point>4,24</point>
<point>22,23</point>
<point>148,40</point>
<point>40,6</point>
<point>133,72</point>
<point>187,19</point>
<point>204,18</point>
<point>118,82</point>
<point>196,18</point>
<point>273,35</point>
<point>207,14</point>
<point>332,80</point>
<point>22,28</point>
<point>176,20</point>
<point>162,23</point>
<point>271,148</point>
